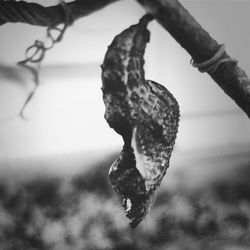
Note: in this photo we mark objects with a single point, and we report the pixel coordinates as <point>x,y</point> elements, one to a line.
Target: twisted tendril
<point>35,53</point>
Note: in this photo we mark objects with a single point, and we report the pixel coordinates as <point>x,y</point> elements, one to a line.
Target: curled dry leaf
<point>145,114</point>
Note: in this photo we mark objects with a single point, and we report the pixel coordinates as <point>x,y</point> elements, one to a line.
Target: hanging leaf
<point>145,114</point>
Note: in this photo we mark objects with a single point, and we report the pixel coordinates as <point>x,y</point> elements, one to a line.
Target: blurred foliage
<point>83,213</point>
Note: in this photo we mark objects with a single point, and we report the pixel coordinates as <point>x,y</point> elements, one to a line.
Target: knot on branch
<point>212,64</point>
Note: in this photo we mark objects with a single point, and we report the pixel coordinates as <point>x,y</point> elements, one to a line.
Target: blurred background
<point>54,191</point>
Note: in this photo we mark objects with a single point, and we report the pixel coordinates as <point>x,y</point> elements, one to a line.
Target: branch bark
<point>169,13</point>
<point>201,46</point>
<point>36,14</point>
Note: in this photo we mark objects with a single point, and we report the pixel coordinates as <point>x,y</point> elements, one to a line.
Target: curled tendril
<point>35,53</point>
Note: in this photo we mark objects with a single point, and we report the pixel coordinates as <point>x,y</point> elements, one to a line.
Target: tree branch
<point>202,47</point>
<point>36,14</point>
<point>170,14</point>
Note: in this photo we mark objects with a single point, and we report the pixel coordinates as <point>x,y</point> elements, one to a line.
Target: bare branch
<point>202,47</point>
<point>36,14</point>
<point>170,14</point>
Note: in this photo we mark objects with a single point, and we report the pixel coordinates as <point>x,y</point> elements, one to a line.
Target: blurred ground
<point>204,203</point>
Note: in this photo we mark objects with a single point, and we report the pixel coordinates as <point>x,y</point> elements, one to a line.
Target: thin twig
<point>36,14</point>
